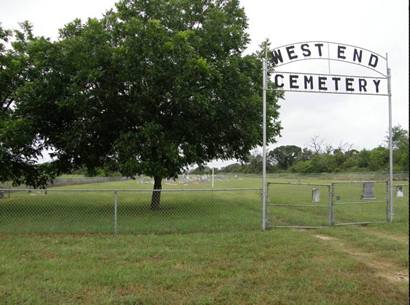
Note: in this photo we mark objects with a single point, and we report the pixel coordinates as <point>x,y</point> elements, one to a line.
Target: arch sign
<point>377,84</point>
<point>328,83</point>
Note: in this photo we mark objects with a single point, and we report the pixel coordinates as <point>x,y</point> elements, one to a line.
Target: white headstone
<point>399,191</point>
<point>315,195</point>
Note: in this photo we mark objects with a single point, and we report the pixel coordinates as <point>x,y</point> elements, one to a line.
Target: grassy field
<point>200,248</point>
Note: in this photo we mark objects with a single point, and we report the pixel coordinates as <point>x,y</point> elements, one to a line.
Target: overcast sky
<point>378,25</point>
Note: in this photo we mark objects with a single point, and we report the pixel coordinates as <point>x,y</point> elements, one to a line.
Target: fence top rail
<point>133,190</point>
<point>358,181</point>
<point>300,183</point>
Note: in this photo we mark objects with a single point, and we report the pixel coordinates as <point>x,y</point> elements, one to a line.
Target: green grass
<point>207,247</point>
<point>277,267</point>
<point>93,212</point>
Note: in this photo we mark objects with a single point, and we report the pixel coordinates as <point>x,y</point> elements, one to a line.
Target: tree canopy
<point>19,146</point>
<point>149,88</point>
<point>285,156</point>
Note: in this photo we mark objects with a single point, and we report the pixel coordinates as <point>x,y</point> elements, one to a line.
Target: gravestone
<point>368,191</point>
<point>399,191</point>
<point>315,195</point>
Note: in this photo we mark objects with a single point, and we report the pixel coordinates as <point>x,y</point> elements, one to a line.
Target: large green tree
<point>150,88</point>
<point>20,147</point>
<point>284,156</point>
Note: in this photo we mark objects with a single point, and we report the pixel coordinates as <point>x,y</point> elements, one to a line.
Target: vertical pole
<point>329,194</point>
<point>264,144</point>
<point>213,177</point>
<point>391,208</point>
<point>331,205</point>
<point>387,201</point>
<point>115,212</point>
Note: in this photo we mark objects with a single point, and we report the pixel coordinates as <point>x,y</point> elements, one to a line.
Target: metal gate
<point>311,205</point>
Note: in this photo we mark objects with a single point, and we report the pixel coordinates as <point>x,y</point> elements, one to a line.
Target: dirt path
<point>384,269</point>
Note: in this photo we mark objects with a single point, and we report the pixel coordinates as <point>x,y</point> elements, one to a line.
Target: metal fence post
<point>331,189</point>
<point>268,222</point>
<point>115,211</point>
<point>387,202</point>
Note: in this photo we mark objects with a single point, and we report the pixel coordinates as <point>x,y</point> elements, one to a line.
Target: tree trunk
<point>156,193</point>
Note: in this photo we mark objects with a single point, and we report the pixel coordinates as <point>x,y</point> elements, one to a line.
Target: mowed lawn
<point>213,253</point>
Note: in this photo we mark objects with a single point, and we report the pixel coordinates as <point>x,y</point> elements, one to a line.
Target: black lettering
<point>341,52</point>
<point>293,81</point>
<point>319,48</point>
<point>373,60</point>
<point>376,84</point>
<point>308,80</point>
<point>277,56</point>
<point>357,55</point>
<point>279,85</point>
<point>349,84</point>
<point>362,85</point>
<point>322,83</point>
<point>336,80</point>
<point>291,52</point>
<point>305,48</point>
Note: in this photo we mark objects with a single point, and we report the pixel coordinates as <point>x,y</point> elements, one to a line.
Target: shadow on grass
<point>93,213</point>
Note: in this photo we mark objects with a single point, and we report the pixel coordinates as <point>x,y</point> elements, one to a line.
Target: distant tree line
<point>319,158</point>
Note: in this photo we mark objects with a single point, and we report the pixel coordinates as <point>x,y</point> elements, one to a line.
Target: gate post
<point>331,206</point>
<point>387,201</point>
<point>391,209</point>
<point>264,88</point>
<point>115,212</point>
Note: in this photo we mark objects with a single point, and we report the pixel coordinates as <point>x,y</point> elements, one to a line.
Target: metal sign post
<point>264,144</point>
<point>391,211</point>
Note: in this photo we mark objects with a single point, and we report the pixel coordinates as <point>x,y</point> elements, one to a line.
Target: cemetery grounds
<point>201,247</point>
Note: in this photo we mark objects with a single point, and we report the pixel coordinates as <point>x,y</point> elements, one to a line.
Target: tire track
<point>382,268</point>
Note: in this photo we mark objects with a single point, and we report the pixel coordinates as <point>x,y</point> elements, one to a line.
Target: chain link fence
<point>295,204</point>
<point>128,211</point>
<point>112,208</point>
<point>298,204</point>
<point>360,202</point>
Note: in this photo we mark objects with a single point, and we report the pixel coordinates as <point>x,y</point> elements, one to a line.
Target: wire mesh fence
<point>96,208</point>
<point>360,202</point>
<point>298,204</point>
<point>128,211</point>
<point>336,203</point>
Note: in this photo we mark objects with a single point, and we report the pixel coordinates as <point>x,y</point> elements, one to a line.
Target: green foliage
<point>285,156</point>
<point>378,158</point>
<point>401,148</point>
<point>252,165</point>
<point>295,159</point>
<point>303,166</point>
<point>19,143</point>
<point>150,88</point>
